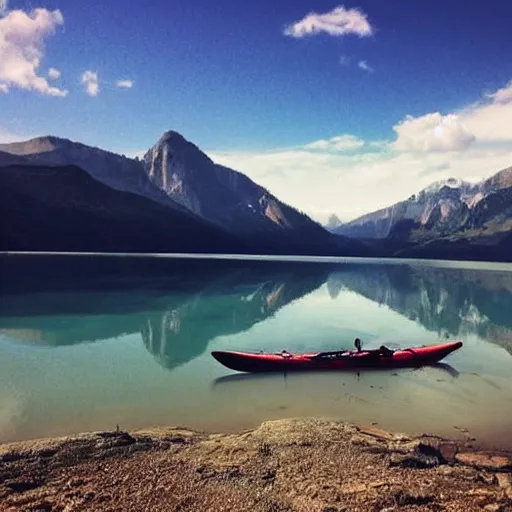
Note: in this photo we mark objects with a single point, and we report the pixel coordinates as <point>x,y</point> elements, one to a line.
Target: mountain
<point>233,201</point>
<point>333,222</point>
<point>63,208</point>
<point>448,219</point>
<point>444,207</point>
<point>116,171</point>
<point>177,175</point>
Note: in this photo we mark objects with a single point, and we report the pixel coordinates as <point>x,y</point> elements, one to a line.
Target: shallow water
<point>88,345</point>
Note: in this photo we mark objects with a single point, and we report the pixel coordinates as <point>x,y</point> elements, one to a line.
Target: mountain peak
<point>333,222</point>
<point>35,145</point>
<point>169,135</point>
<point>455,183</point>
<point>178,144</point>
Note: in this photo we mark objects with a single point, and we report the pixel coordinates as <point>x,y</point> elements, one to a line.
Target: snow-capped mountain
<point>443,208</point>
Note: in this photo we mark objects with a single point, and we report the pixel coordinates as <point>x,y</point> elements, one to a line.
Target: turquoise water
<point>89,345</point>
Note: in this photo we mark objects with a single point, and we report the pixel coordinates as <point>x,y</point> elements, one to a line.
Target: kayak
<point>340,360</point>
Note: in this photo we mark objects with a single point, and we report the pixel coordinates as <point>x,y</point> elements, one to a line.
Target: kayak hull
<point>346,360</point>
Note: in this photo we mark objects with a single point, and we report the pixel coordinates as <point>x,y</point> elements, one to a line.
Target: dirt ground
<point>301,465</point>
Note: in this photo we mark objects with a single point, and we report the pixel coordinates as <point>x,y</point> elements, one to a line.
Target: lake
<point>91,342</point>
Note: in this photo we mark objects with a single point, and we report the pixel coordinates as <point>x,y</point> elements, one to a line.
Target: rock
<point>484,461</point>
<point>423,456</point>
<point>446,470</point>
<point>404,498</point>
<point>448,451</point>
<point>505,483</point>
<point>379,433</point>
<point>493,507</point>
<point>504,480</point>
<point>481,492</point>
<point>22,486</point>
<point>488,478</point>
<point>114,439</point>
<point>444,449</point>
<point>413,461</point>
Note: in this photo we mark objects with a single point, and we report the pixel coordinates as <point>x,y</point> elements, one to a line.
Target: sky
<point>334,107</point>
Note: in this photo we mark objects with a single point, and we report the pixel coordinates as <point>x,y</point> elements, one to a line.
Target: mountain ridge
<point>196,187</point>
<point>96,217</point>
<point>443,208</point>
<point>449,218</point>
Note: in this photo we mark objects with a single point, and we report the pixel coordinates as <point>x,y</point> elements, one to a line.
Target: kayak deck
<point>340,360</point>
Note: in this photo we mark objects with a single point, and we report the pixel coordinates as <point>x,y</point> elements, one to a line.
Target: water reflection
<point>451,302</point>
<point>444,368</point>
<point>178,311</point>
<point>176,319</point>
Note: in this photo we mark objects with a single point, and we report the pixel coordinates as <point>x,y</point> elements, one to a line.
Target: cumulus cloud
<point>490,123</point>
<point>432,132</point>
<point>362,64</point>
<point>502,96</point>
<point>472,144</point>
<point>53,73</point>
<point>338,22</point>
<point>4,88</point>
<point>125,84</point>
<point>90,80</point>
<point>22,37</point>
<point>345,142</point>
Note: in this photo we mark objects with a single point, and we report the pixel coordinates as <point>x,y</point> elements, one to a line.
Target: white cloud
<point>362,64</point>
<point>90,80</point>
<point>125,84</point>
<point>345,142</point>
<point>491,124</point>
<point>471,144</point>
<point>432,132</point>
<point>338,22</point>
<point>22,38</point>
<point>502,96</point>
<point>4,88</point>
<point>53,73</point>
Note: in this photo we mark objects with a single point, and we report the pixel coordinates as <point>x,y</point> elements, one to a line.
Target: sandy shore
<point>304,465</point>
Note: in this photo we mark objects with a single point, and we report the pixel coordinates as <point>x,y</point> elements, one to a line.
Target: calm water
<point>89,344</point>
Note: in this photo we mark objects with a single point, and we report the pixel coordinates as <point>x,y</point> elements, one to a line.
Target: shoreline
<point>293,465</point>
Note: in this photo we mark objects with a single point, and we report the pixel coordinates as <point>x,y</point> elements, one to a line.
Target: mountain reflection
<point>230,306</point>
<point>178,307</point>
<point>177,314</point>
<point>449,301</point>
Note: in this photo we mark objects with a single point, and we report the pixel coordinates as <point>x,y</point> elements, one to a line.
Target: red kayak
<point>342,360</point>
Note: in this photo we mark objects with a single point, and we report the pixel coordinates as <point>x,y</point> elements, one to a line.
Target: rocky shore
<point>304,465</point>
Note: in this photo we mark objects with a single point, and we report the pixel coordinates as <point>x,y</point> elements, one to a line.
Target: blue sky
<point>228,76</point>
